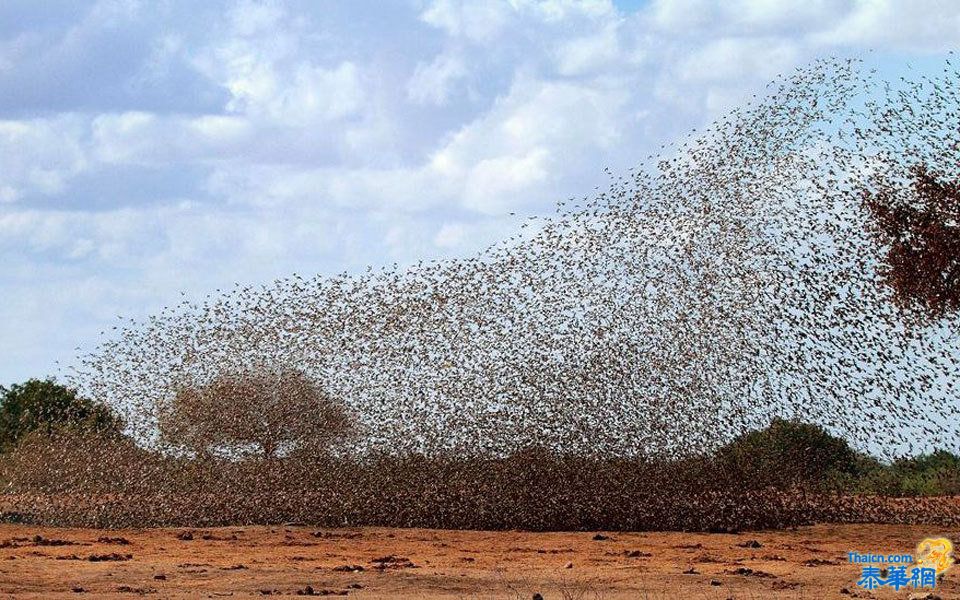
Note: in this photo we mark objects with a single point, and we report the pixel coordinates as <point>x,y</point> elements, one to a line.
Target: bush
<point>935,474</point>
<point>790,452</point>
<point>44,406</point>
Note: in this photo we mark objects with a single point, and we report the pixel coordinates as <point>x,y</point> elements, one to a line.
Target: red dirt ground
<point>253,562</point>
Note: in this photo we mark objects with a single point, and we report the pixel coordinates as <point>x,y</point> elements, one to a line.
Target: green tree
<point>789,452</point>
<point>935,474</point>
<point>44,405</point>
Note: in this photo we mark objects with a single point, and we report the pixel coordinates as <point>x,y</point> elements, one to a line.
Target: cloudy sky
<point>149,149</point>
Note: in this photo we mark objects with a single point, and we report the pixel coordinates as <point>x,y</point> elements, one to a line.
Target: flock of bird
<point>727,281</point>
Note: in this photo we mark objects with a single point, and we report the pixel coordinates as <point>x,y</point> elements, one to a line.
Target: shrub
<point>789,452</point>
<point>934,474</point>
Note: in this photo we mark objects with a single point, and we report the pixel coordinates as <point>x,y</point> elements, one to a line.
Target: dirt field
<point>245,562</point>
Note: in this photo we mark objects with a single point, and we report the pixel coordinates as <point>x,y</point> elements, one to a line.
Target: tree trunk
<point>269,449</point>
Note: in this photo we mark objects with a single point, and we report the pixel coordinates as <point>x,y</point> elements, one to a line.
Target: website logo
<point>923,569</point>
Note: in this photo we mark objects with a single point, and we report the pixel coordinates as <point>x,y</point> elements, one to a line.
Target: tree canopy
<point>274,411</point>
<point>789,451</point>
<point>921,232</point>
<point>44,405</point>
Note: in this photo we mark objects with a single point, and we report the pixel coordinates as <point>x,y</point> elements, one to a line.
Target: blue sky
<point>149,149</point>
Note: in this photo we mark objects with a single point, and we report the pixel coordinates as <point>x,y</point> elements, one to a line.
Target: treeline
<point>933,474</point>
<point>75,467</point>
<point>790,452</point>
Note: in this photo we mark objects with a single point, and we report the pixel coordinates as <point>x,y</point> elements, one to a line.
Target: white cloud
<point>746,17</point>
<point>683,15</point>
<point>589,53</point>
<point>557,10</point>
<point>501,160</point>
<point>432,82</point>
<point>40,155</point>
<point>8,194</point>
<point>733,59</point>
<point>494,184</point>
<point>451,235</point>
<point>250,18</point>
<point>924,25</point>
<point>307,94</point>
<point>476,21</point>
<point>293,137</point>
<point>266,62</point>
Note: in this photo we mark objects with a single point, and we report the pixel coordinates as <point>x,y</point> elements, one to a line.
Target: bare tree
<point>272,411</point>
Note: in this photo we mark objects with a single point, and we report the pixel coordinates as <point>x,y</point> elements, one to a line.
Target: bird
<point>751,275</point>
